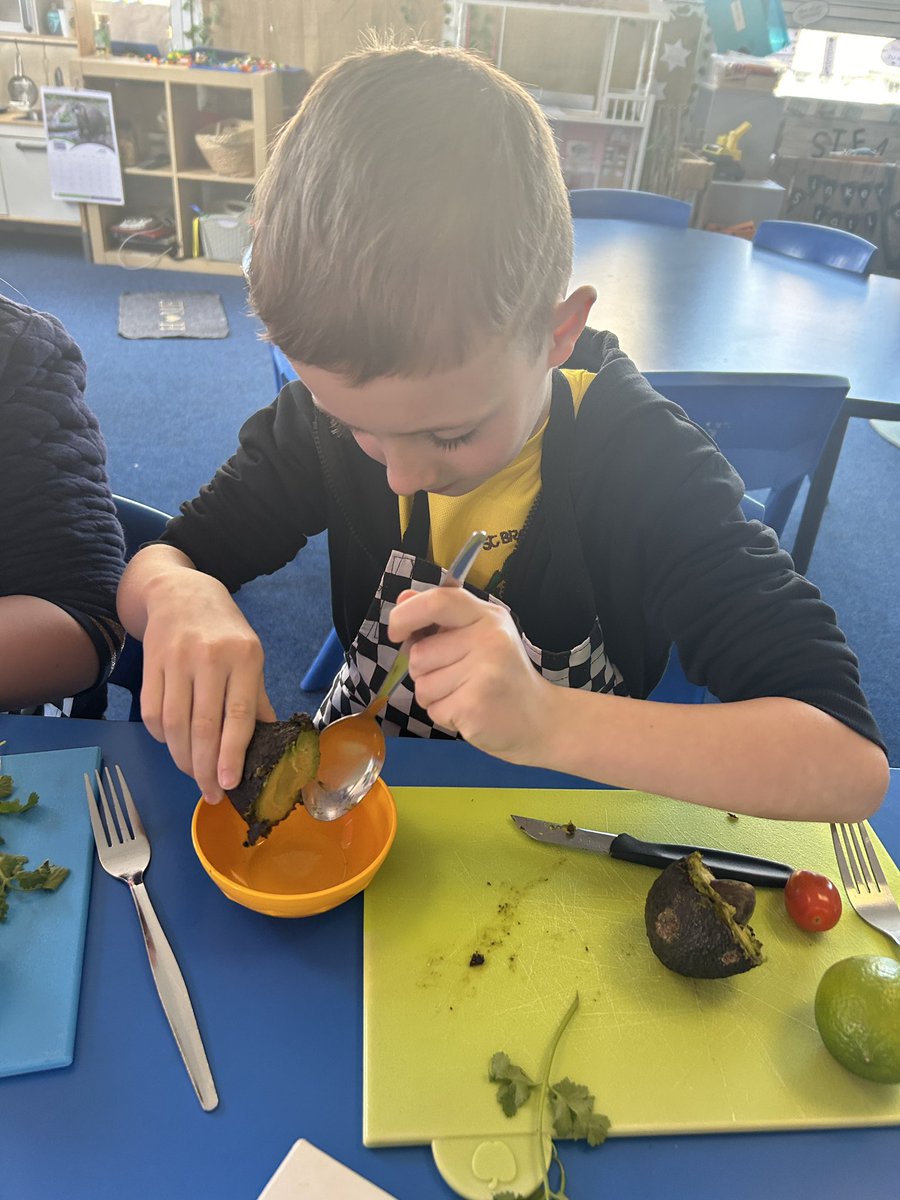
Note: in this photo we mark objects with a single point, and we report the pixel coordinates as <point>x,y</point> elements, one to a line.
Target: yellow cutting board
<point>661,1053</point>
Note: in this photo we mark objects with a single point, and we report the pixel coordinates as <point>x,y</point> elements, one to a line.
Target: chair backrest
<point>771,428</point>
<point>284,372</point>
<point>629,205</point>
<point>140,523</point>
<point>816,243</point>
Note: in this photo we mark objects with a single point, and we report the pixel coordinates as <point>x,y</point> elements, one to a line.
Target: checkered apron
<point>372,653</point>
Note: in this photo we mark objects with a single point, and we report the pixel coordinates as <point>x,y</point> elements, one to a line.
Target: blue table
<point>690,300</point>
<point>123,1120</point>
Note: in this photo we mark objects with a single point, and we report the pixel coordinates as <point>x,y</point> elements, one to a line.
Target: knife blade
<point>724,864</point>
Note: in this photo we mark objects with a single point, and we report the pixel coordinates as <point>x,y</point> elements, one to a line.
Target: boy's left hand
<point>473,675</point>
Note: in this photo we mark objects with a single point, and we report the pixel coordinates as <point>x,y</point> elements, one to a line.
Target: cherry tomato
<point>812,901</point>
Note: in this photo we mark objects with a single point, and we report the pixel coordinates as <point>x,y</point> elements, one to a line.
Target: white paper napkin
<point>309,1174</point>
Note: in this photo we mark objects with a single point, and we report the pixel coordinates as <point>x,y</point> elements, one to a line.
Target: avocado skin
<point>686,932</point>
<point>270,742</point>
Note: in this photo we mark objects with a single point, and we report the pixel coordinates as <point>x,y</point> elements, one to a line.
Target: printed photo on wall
<point>82,150</point>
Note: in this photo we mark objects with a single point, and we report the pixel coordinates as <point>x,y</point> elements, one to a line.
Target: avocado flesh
<point>283,756</point>
<point>692,929</point>
<point>281,791</point>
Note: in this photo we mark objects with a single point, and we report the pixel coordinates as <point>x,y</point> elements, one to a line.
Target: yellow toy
<point>726,154</point>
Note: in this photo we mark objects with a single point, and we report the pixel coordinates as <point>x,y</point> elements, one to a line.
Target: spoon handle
<point>455,577</point>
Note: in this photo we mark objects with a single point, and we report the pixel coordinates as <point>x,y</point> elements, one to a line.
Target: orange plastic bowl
<point>304,866</point>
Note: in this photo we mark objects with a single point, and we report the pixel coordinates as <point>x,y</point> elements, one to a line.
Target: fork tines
<point>859,867</point>
<point>107,817</point>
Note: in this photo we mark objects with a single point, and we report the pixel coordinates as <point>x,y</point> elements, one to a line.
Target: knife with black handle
<point>724,864</point>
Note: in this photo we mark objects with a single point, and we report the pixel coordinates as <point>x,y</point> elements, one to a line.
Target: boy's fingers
<point>206,733</point>
<point>438,650</point>
<point>177,705</point>
<point>448,607</point>
<point>438,685</point>
<point>264,709</point>
<point>242,699</point>
<point>151,702</point>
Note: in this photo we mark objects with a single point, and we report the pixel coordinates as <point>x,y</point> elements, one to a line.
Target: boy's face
<point>446,433</point>
<point>451,431</point>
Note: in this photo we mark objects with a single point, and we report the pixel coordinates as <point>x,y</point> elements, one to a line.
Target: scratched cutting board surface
<point>42,939</point>
<point>661,1053</point>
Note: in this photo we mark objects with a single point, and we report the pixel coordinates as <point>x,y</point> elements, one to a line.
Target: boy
<point>411,257</point>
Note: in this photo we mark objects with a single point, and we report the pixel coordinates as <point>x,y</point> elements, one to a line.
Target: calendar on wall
<point>82,150</point>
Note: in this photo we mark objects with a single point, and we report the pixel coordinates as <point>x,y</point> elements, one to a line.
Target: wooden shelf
<point>165,262</point>
<point>205,175</point>
<point>149,172</point>
<point>38,39</point>
<point>179,100</point>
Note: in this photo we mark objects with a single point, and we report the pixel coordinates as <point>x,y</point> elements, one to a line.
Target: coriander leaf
<point>572,1108</point>
<point>598,1128</point>
<point>515,1086</point>
<point>16,806</point>
<point>5,786</point>
<point>47,877</point>
<point>10,865</point>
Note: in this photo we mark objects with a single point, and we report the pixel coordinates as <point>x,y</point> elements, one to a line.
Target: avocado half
<point>283,756</point>
<point>697,925</point>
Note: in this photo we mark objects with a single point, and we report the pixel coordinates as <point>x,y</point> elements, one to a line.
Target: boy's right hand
<point>203,685</point>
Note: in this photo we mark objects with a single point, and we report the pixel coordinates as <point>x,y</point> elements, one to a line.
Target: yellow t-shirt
<point>500,505</point>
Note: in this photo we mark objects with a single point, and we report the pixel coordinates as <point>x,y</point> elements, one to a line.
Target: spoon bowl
<point>352,749</point>
<point>351,755</point>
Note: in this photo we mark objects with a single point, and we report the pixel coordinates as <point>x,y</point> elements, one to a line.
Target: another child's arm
<point>203,665</point>
<point>770,757</point>
<point>45,653</point>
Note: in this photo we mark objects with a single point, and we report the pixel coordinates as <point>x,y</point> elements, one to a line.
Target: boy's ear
<point>569,320</point>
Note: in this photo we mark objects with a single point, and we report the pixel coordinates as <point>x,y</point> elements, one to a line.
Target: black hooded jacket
<point>638,523</point>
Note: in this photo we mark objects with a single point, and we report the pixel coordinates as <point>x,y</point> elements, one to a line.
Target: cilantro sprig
<point>13,876</point>
<point>571,1107</point>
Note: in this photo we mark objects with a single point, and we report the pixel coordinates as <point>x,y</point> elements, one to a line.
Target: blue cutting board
<point>42,939</point>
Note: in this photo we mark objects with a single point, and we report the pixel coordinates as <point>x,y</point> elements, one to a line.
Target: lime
<point>858,1014</point>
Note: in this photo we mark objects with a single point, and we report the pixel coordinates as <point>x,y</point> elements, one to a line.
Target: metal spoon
<point>352,748</point>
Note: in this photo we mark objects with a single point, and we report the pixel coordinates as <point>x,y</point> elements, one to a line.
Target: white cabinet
<point>25,177</point>
<point>589,66</point>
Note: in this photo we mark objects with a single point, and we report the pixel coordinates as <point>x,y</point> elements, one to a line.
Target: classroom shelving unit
<point>167,105</point>
<point>591,69</point>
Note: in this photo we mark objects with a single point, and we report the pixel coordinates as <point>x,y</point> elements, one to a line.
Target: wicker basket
<point>226,235</point>
<point>228,147</point>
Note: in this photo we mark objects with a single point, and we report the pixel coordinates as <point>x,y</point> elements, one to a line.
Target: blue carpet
<point>170,411</point>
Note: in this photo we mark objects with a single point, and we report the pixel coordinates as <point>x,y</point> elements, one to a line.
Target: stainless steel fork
<point>864,880</point>
<point>124,852</point>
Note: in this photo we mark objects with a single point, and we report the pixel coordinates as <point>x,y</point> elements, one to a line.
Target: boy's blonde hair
<point>412,209</point>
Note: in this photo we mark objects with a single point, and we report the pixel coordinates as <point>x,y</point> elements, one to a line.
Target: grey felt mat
<point>172,315</point>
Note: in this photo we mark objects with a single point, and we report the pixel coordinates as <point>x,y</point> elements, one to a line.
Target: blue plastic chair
<point>816,243</point>
<point>140,523</point>
<point>773,429</point>
<point>629,205</point>
<point>284,372</point>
